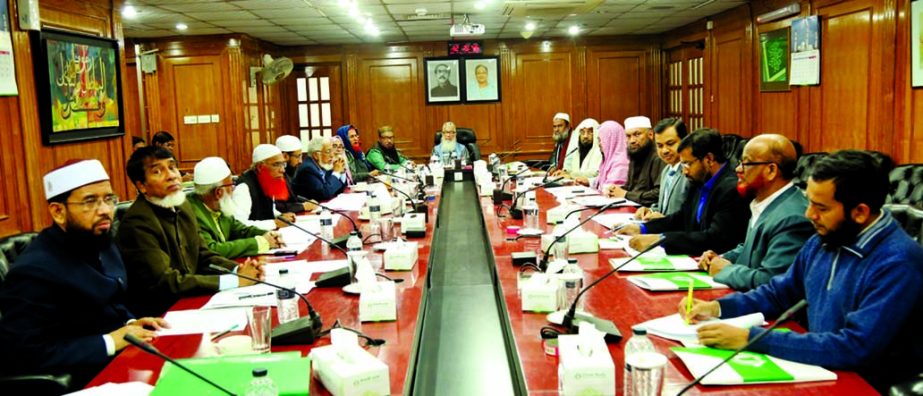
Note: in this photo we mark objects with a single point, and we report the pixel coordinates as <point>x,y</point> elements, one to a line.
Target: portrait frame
<point>442,94</point>
<point>775,58</point>
<point>916,36</point>
<point>77,81</point>
<point>493,91</point>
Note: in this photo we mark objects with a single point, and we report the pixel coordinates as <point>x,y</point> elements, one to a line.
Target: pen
<point>255,295</point>
<point>221,334</point>
<point>615,229</point>
<point>689,299</point>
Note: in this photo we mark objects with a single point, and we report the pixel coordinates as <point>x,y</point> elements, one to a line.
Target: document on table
<point>197,321</point>
<point>674,327</point>
<point>312,222</point>
<point>675,281</point>
<point>571,191</point>
<point>747,367</point>
<point>656,263</point>
<point>598,201</point>
<point>247,296</point>
<point>350,202</point>
<point>296,239</point>
<point>610,220</point>
<point>299,274</point>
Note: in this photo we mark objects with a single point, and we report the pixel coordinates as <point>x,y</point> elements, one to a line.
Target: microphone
<point>336,278</point>
<point>612,332</point>
<point>418,207</point>
<point>301,331</point>
<point>544,263</point>
<point>341,241</point>
<point>133,340</point>
<point>517,213</point>
<point>782,318</point>
<point>499,195</point>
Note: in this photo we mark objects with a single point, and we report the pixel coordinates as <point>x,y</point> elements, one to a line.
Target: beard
<point>272,187</point>
<point>448,146</point>
<point>843,235</point>
<point>170,201</point>
<point>227,206</point>
<point>560,137</point>
<point>86,237</point>
<point>326,165</point>
<point>639,152</point>
<point>586,145</point>
<point>748,190</point>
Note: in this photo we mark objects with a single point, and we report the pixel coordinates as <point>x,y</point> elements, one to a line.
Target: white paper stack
<point>610,220</point>
<point>673,281</point>
<point>204,321</point>
<point>656,263</point>
<point>674,327</point>
<point>350,202</point>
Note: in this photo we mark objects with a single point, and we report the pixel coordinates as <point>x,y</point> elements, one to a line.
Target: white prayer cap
<point>561,116</point>
<point>637,122</point>
<point>72,176</point>
<point>289,143</point>
<point>210,170</point>
<point>264,152</point>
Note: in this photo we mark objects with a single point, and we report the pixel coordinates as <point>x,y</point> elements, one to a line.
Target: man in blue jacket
<point>322,176</point>
<point>861,277</point>
<point>778,228</point>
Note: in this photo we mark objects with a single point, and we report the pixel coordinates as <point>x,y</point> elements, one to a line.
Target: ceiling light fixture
<point>480,5</point>
<point>530,26</point>
<point>181,26</point>
<point>573,30</point>
<point>129,12</point>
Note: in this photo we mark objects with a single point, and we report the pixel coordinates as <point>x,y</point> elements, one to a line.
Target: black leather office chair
<point>910,219</point>
<point>120,209</point>
<point>907,185</point>
<point>467,137</point>
<point>13,245</point>
<point>804,168</point>
<point>913,387</point>
<point>733,147</point>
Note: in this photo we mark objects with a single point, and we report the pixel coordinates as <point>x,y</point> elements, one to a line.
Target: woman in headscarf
<point>355,159</point>
<point>614,146</point>
<point>584,157</point>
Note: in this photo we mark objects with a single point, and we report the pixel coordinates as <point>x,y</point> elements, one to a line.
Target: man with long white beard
<point>214,210</point>
<point>449,146</point>
<point>322,175</point>
<point>159,239</point>
<point>262,193</point>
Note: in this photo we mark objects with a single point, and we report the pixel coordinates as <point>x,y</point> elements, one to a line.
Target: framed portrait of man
<point>443,80</point>
<point>482,79</point>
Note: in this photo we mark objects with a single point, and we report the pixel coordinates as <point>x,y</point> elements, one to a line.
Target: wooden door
<point>542,85</point>
<point>191,99</point>
<point>617,85</point>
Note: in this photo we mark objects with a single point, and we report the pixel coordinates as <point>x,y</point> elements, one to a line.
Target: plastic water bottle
<point>572,279</point>
<point>326,224</point>
<point>353,249</point>
<point>374,209</point>
<point>287,307</point>
<point>636,344</point>
<point>261,384</point>
<point>530,214</point>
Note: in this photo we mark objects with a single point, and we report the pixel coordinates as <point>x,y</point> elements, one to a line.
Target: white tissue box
<point>540,296</point>
<point>359,373</point>
<point>581,241</point>
<point>556,214</point>
<point>585,374</point>
<point>401,257</point>
<point>413,222</point>
<point>378,302</point>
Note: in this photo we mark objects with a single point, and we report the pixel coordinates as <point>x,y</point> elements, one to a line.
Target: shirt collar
<point>714,179</point>
<point>869,233</point>
<point>759,207</point>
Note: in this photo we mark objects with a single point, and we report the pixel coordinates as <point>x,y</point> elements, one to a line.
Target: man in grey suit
<point>673,186</point>
<point>778,227</point>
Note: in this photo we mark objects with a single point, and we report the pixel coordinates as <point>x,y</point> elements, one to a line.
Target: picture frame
<point>774,60</point>
<point>77,84</point>
<point>482,79</point>
<point>916,36</point>
<point>443,80</point>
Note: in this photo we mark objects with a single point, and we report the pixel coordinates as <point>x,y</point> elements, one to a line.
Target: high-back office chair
<point>907,185</point>
<point>733,147</point>
<point>34,384</point>
<point>120,209</point>
<point>804,168</point>
<point>467,137</point>
<point>910,219</point>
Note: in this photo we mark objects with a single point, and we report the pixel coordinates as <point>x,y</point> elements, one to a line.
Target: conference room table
<point>405,352</point>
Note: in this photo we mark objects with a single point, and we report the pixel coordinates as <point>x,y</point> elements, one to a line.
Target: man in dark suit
<point>778,228</point>
<point>713,217</point>
<point>443,87</point>
<point>322,176</point>
<point>62,301</point>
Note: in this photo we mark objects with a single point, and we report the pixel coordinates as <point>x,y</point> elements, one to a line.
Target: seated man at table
<point>322,176</point>
<point>383,155</point>
<point>63,300</point>
<point>165,140</point>
<point>713,217</point>
<point>560,134</point>
<point>159,238</point>
<point>449,148</point>
<point>262,193</point>
<point>778,228</point>
<point>643,185</point>
<point>861,277</point>
<point>674,187</point>
<point>214,211</point>
<point>291,153</point>
<point>582,164</point>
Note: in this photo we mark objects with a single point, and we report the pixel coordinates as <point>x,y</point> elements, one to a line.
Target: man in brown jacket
<point>159,240</point>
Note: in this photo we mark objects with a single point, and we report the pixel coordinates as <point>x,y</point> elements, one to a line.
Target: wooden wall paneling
<point>778,112</point>
<point>729,84</point>
<point>390,92</point>
<point>12,218</point>
<point>906,100</point>
<point>617,85</point>
<point>542,85</point>
<point>193,88</point>
<point>484,119</point>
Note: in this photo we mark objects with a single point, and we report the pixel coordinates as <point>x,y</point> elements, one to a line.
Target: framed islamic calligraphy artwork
<point>77,83</point>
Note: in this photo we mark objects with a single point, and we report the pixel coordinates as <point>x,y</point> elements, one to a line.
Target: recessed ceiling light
<point>480,5</point>
<point>530,26</point>
<point>129,12</point>
<point>574,30</point>
<point>181,26</point>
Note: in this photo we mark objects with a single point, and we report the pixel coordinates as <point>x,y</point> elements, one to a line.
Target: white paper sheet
<point>680,263</point>
<point>675,328</point>
<point>610,220</point>
<point>204,321</point>
<point>237,297</point>
<point>350,202</point>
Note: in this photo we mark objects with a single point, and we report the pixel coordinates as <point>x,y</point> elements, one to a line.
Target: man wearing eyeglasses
<point>63,302</point>
<point>778,228</point>
<point>215,208</point>
<point>262,193</point>
<point>322,176</point>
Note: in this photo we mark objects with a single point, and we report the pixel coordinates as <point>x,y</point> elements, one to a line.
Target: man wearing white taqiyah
<point>560,133</point>
<point>214,210</point>
<point>63,302</point>
<point>263,193</point>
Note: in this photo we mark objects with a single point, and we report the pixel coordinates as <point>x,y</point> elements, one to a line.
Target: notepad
<point>655,263</point>
<point>672,281</point>
<point>350,202</point>
<point>197,321</point>
<point>748,367</point>
<point>289,371</point>
<point>610,220</point>
<point>674,327</point>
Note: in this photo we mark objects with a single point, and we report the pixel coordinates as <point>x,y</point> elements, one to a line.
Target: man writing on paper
<point>643,185</point>
<point>674,187</point>
<point>861,276</point>
<point>214,211</point>
<point>159,238</point>
<point>323,175</point>
<point>583,164</point>
<point>778,228</point>
<point>262,192</point>
<point>713,217</point>
<point>63,302</point>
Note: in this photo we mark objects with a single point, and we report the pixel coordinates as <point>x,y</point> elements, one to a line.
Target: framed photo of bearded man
<point>443,80</point>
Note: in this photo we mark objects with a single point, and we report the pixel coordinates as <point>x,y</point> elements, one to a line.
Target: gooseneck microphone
<point>418,207</point>
<point>131,339</point>
<point>335,278</point>
<point>515,212</point>
<point>544,263</point>
<point>782,318</point>
<point>303,330</point>
<point>344,214</point>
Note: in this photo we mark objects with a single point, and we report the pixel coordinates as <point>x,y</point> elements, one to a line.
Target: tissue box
<point>556,214</point>
<point>539,296</point>
<point>378,303</point>
<point>585,374</point>
<point>413,222</point>
<point>581,241</point>
<point>401,257</point>
<point>357,374</point>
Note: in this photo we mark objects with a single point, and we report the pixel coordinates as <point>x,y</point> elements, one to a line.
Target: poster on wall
<point>7,65</point>
<point>774,57</point>
<point>916,38</point>
<point>805,51</point>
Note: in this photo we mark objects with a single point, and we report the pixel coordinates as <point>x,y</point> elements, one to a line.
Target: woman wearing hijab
<point>614,146</point>
<point>355,159</point>
<point>582,161</point>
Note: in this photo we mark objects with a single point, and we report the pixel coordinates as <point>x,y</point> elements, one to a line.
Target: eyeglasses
<point>744,164</point>
<point>688,165</point>
<point>91,204</point>
<point>278,165</point>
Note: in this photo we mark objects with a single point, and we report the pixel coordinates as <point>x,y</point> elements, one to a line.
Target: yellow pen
<point>689,299</point>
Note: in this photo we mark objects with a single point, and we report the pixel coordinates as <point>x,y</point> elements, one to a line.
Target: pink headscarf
<point>614,145</point>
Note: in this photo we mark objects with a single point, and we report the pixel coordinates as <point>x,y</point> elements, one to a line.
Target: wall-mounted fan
<point>273,70</point>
